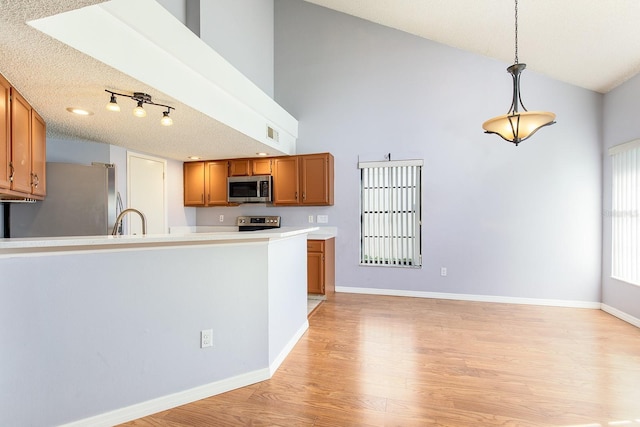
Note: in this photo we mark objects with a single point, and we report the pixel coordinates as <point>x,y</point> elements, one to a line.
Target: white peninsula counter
<point>100,330</point>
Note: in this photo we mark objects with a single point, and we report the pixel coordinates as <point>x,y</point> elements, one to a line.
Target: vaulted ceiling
<point>594,44</point>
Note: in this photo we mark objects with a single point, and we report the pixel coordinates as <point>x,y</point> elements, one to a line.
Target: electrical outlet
<point>323,219</point>
<point>206,338</point>
<point>443,271</point>
<point>310,219</point>
<point>221,219</point>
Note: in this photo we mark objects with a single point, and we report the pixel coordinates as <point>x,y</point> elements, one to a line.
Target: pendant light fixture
<point>518,125</point>
<point>139,111</point>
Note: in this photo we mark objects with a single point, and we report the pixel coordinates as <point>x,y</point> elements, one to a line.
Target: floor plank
<point>394,361</point>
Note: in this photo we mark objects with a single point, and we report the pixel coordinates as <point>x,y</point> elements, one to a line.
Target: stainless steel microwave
<point>249,189</point>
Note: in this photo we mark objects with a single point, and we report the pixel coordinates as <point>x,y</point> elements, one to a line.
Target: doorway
<point>147,192</point>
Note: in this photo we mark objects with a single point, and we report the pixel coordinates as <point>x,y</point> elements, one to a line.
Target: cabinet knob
<point>35,180</point>
<point>12,171</point>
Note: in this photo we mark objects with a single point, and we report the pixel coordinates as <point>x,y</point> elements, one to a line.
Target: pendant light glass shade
<point>516,126</point>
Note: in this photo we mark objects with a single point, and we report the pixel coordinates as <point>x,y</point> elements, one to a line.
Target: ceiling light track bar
<point>145,98</point>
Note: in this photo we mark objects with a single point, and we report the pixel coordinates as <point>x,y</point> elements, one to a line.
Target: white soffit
<point>143,40</point>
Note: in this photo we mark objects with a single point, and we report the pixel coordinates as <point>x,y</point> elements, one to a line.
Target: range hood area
<point>162,53</point>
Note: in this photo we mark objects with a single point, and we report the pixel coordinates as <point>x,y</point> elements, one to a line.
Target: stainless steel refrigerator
<point>80,201</point>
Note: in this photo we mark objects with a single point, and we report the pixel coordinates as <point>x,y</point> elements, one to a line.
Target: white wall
<point>507,221</point>
<point>620,125</point>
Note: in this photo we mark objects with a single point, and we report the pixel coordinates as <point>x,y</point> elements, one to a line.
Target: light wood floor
<point>393,361</point>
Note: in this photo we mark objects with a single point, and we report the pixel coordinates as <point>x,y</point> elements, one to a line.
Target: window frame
<point>403,226</point>
<point>625,212</point>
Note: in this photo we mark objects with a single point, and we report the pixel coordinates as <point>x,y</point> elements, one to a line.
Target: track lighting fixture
<point>139,111</point>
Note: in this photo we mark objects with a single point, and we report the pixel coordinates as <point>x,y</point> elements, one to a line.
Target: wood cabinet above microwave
<point>249,167</point>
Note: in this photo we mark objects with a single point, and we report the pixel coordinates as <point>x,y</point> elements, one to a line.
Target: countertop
<point>318,233</point>
<point>22,245</point>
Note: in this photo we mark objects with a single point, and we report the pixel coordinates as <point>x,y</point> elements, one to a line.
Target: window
<point>625,218</point>
<point>390,213</point>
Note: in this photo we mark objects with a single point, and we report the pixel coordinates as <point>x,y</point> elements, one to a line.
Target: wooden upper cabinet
<point>20,164</point>
<point>261,167</point>
<point>205,183</point>
<point>216,183</point>
<point>5,133</point>
<point>23,146</point>
<point>286,187</point>
<point>193,183</point>
<point>38,155</point>
<point>316,179</point>
<point>303,180</point>
<point>297,180</point>
<point>240,167</point>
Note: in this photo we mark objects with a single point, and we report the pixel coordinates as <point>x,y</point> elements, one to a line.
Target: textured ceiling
<point>593,44</point>
<point>53,76</point>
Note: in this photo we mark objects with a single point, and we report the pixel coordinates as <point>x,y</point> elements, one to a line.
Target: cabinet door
<point>261,166</point>
<point>38,155</point>
<point>20,143</point>
<point>315,273</point>
<point>285,181</point>
<point>216,183</point>
<point>317,179</point>
<point>240,167</point>
<point>193,183</point>
<point>5,133</point>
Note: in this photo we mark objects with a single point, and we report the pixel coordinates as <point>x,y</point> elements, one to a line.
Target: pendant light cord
<point>516,59</point>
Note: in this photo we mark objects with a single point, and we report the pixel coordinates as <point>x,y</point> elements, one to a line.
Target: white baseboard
<point>273,367</point>
<point>468,297</point>
<point>621,315</point>
<point>163,403</point>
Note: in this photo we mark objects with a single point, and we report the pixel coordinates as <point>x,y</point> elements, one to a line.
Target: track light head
<point>166,120</point>
<point>113,105</point>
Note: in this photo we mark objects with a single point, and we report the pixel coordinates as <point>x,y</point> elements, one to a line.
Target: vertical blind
<point>390,212</point>
<point>625,212</point>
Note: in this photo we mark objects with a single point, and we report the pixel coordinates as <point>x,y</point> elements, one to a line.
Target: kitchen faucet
<point>114,232</point>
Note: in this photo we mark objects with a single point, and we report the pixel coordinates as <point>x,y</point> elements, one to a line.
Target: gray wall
<point>242,32</point>
<point>506,221</point>
<point>620,125</point>
<point>239,30</point>
<point>119,328</point>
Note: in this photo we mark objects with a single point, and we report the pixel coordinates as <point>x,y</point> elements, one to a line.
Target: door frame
<point>165,207</point>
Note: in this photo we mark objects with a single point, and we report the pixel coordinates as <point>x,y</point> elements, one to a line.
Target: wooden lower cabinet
<point>321,266</point>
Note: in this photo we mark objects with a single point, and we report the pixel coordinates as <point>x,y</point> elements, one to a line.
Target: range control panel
<point>250,223</point>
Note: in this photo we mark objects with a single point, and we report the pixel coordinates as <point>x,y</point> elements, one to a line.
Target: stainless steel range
<point>254,223</point>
